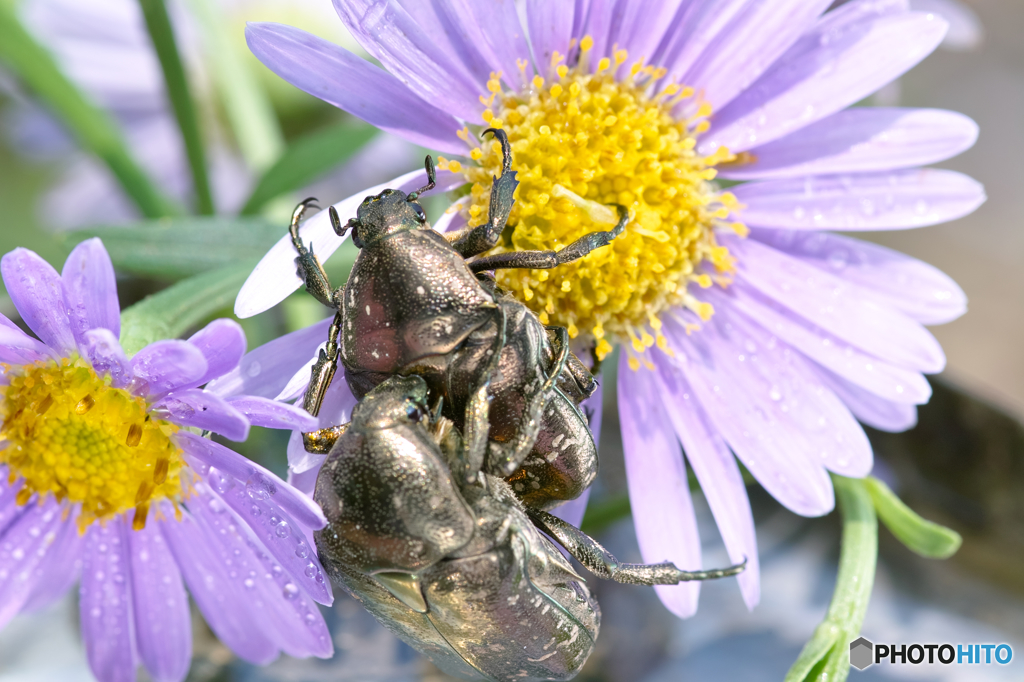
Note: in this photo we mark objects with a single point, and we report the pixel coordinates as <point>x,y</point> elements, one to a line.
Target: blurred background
<point>963,466</point>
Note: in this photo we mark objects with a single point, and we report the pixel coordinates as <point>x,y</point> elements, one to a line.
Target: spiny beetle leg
<point>478,409</point>
<point>323,370</point>
<point>545,260</point>
<point>321,441</point>
<point>603,564</point>
<point>505,458</point>
<point>308,266</point>
<point>484,237</point>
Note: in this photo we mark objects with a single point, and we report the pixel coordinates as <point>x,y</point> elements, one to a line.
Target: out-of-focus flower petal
<point>36,291</point>
<point>273,414</point>
<point>17,347</point>
<point>203,410</point>
<point>869,408</point>
<point>859,140</point>
<point>453,220</point>
<point>919,290</point>
<point>103,351</point>
<point>305,482</point>
<point>299,460</point>
<point>837,306</point>
<point>23,547</point>
<point>848,55</point>
<point>867,371</point>
<point>90,290</point>
<point>893,200</point>
<point>411,54</point>
<point>966,31</point>
<point>266,370</point>
<point>659,491</point>
<point>339,77</point>
<point>757,429</point>
<point>236,614</point>
<point>108,626</point>
<point>163,629</point>
<point>758,35</point>
<point>717,472</point>
<point>163,366</point>
<point>222,343</point>
<point>60,568</point>
<point>259,482</point>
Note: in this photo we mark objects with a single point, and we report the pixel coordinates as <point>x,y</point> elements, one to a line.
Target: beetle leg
<point>321,441</point>
<point>545,260</point>
<point>485,237</point>
<point>307,265</point>
<point>478,408</point>
<point>323,370</point>
<point>506,457</point>
<point>603,564</point>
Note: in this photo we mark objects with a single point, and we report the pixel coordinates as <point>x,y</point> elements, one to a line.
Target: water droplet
<point>259,488</point>
<point>302,551</point>
<point>18,554</point>
<point>254,369</point>
<point>311,570</point>
<point>282,530</point>
<point>96,612</point>
<point>290,591</point>
<point>215,505</point>
<point>249,583</point>
<point>775,394</point>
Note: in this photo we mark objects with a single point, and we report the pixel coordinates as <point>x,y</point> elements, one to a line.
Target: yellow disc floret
<point>69,433</point>
<point>582,144</point>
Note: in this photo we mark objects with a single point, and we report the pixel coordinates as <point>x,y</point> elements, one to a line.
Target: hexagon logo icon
<point>861,653</point>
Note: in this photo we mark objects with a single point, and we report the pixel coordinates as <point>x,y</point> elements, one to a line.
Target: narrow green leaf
<point>162,34</point>
<point>857,560</point>
<point>603,513</point>
<point>92,127</point>
<point>919,535</point>
<point>174,248</point>
<point>170,313</point>
<point>306,159</point>
<point>248,107</point>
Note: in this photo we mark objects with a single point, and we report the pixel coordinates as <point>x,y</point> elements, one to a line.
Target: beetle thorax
<point>388,213</point>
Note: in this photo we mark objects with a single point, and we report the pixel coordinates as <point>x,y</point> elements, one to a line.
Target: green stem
<point>93,128</point>
<point>248,108</point>
<point>162,34</point>
<point>170,313</point>
<point>826,657</point>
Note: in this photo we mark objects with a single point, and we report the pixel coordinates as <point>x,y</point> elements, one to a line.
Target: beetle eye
<point>420,215</point>
<point>414,411</point>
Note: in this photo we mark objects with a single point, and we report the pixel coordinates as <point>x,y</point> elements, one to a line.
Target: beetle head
<point>398,400</point>
<point>390,212</point>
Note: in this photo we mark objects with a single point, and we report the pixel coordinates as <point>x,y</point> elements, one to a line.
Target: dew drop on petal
<point>290,591</point>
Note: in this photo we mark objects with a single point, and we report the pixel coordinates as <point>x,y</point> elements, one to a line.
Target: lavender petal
<point>641,25</point>
<point>18,348</point>
<point>10,510</point>
<point>599,27</point>
<point>106,603</point>
<point>305,483</point>
<point>163,628</point>
<point>848,55</point>
<point>339,77</point>
<point>502,34</point>
<point>222,343</point>
<point>453,220</point>
<point>23,548</point>
<point>272,414</point>
<point>861,139</point>
<point>659,492</point>
<point>869,408</point>
<point>468,42</point>
<point>867,371</point>
<point>165,365</point>
<point>410,53</point>
<point>696,25</point>
<point>837,306</point>
<point>215,579</point>
<point>759,34</point>
<point>103,351</point>
<point>36,291</point>
<point>60,569</point>
<point>550,30</point>
<point>718,474</point>
<point>259,482</point>
<point>264,371</point>
<point>754,426</point>
<point>90,290</point>
<point>300,460</point>
<point>920,291</point>
<point>203,410</point>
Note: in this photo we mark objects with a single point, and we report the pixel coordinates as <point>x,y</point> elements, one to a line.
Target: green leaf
<point>174,248</point>
<point>162,34</point>
<point>170,313</point>
<point>602,513</point>
<point>247,106</point>
<point>92,127</point>
<point>306,159</point>
<point>826,657</point>
<point>919,535</point>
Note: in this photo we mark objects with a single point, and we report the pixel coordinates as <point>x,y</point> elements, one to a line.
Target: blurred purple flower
<point>101,477</point>
<point>773,335</point>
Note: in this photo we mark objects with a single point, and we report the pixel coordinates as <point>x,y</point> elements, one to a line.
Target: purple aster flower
<point>767,336</point>
<point>103,476</point>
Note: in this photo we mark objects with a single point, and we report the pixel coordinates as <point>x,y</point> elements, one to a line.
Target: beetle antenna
<point>428,164</point>
<point>506,149</point>
<point>340,229</point>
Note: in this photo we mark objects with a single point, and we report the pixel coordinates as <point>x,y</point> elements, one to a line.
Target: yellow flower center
<point>68,432</point>
<point>581,145</point>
